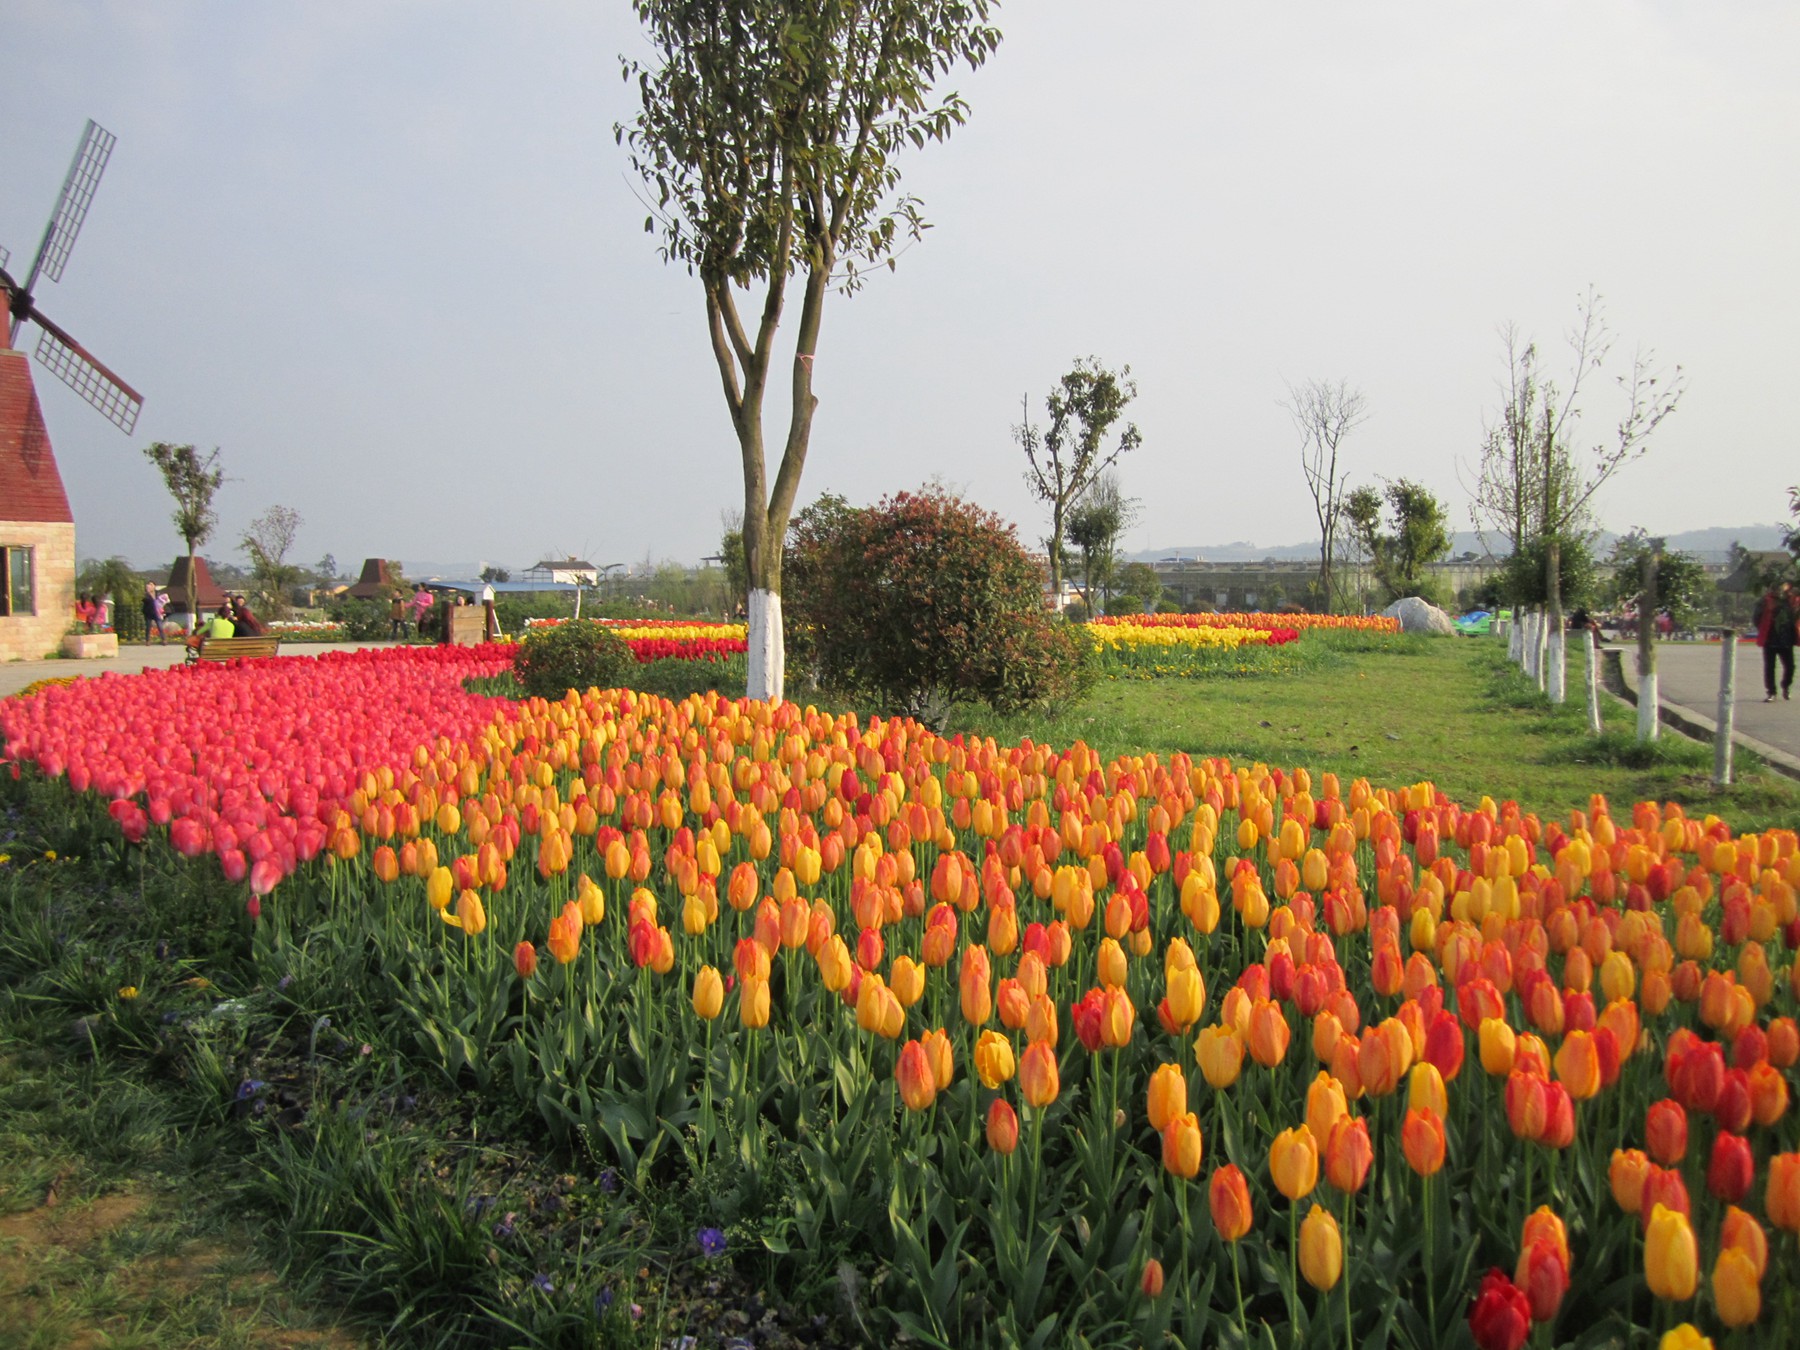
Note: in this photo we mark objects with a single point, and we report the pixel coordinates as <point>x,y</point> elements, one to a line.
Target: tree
<point>769,136</point>
<point>491,574</point>
<point>192,480</point>
<point>1533,483</point>
<point>1070,455</point>
<point>1415,536</point>
<point>326,569</point>
<point>924,601</point>
<point>115,577</point>
<point>1139,587</point>
<point>266,544</point>
<point>1682,587</point>
<point>731,555</point>
<point>1325,413</point>
<point>1102,515</point>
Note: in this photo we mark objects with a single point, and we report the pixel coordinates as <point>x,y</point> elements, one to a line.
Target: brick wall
<point>32,637</point>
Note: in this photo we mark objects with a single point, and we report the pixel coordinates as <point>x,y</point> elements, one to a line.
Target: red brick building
<point>37,529</point>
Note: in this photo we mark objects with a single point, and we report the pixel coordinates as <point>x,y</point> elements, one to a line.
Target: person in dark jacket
<point>1777,628</point>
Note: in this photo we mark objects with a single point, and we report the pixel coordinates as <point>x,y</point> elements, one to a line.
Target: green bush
<point>675,677</point>
<point>576,655</point>
<point>363,620</point>
<point>925,601</point>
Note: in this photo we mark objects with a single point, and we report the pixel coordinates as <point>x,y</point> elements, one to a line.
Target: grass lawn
<point>134,1211</point>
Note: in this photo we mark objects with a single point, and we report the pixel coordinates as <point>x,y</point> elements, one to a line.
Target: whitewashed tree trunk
<point>1515,637</point>
<point>1558,684</point>
<point>1595,724</point>
<point>1649,724</point>
<point>768,652</point>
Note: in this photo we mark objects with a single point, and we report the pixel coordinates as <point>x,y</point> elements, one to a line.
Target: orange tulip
<point>525,960</point>
<point>709,993</point>
<point>1269,1033</point>
<point>1422,1141</point>
<point>918,1084</point>
<point>943,1058</point>
<point>1348,1154</point>
<point>565,940</point>
<point>1629,1170</point>
<point>1321,1249</point>
<point>1743,1232</point>
<point>975,983</point>
<point>753,1002</point>
<point>1220,1053</point>
<point>1737,1287</point>
<point>1325,1106</point>
<point>1038,1077</point>
<point>1294,1162</point>
<point>1182,1145</point>
<point>1228,1196</point>
<point>1167,1096</point>
<point>1578,1065</point>
<point>1781,1200</point>
<point>1002,1127</point>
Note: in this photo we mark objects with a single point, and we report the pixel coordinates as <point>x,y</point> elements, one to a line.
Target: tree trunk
<point>1649,724</point>
<point>1557,684</point>
<point>1056,559</point>
<point>193,592</point>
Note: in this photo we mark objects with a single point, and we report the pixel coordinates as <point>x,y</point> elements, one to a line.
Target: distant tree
<point>1070,455</point>
<point>1095,526</point>
<point>491,574</point>
<point>769,136</point>
<point>926,601</point>
<point>1682,587</point>
<point>1533,483</point>
<point>326,570</point>
<point>1790,537</point>
<point>266,543</point>
<point>1139,587</point>
<point>1522,577</point>
<point>1399,549</point>
<point>1325,414</point>
<point>731,553</point>
<point>116,577</point>
<point>193,480</point>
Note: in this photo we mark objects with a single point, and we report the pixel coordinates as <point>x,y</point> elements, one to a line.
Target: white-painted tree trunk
<point>1558,684</point>
<point>1649,724</point>
<point>1540,661</point>
<point>1595,724</point>
<point>768,651</point>
<point>1515,637</point>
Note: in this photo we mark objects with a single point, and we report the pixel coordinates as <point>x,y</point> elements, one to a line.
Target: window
<point>17,594</point>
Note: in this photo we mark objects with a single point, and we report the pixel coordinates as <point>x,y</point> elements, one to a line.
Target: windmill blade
<point>71,208</point>
<point>5,256</point>
<point>69,361</point>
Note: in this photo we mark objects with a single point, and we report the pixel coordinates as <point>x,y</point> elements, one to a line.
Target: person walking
<point>1777,628</point>
<point>154,608</point>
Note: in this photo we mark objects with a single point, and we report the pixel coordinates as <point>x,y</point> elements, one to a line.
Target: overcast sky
<point>387,257</point>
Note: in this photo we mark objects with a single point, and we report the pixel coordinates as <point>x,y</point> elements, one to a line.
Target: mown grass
<point>347,1199</point>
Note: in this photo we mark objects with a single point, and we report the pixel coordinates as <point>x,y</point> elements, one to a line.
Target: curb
<point>1694,725</point>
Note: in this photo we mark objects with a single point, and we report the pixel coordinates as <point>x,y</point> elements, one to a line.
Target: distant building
<point>205,590</point>
<point>380,577</point>
<point>564,571</point>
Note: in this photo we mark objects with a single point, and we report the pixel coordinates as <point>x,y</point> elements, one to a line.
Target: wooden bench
<point>233,649</point>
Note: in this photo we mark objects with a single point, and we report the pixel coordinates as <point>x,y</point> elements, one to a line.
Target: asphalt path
<point>1688,677</point>
<point>15,675</point>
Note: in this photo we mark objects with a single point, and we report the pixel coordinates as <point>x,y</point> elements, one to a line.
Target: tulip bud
<point>1294,1163</point>
<point>1737,1288</point>
<point>525,960</point>
<point>1182,1146</point>
<point>1038,1077</point>
<point>1348,1154</point>
<point>1002,1126</point>
<point>913,1072</point>
<point>1228,1197</point>
<point>994,1061</point>
<point>709,993</point>
<point>1422,1141</point>
<point>1501,1316</point>
<point>1671,1258</point>
<point>1220,1053</point>
<point>1321,1249</point>
<point>1152,1283</point>
<point>1629,1170</point>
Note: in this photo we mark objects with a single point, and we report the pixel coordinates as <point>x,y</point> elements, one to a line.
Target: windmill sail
<point>70,362</point>
<point>72,207</point>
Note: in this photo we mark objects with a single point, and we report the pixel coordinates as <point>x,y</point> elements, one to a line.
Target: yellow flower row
<point>1118,636</point>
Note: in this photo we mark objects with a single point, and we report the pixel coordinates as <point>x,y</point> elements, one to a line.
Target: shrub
<point>925,601</point>
<point>362,620</point>
<point>555,659</point>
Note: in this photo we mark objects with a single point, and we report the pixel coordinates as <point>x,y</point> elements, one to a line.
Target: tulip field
<point>1016,1045</point>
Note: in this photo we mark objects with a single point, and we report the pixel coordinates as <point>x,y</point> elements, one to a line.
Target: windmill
<point>59,353</point>
<point>37,529</point>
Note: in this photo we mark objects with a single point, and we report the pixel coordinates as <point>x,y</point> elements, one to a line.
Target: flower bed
<point>1150,1046</point>
<point>1353,623</point>
<point>666,639</point>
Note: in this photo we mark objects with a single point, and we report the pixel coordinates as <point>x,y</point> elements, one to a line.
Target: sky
<point>388,258</point>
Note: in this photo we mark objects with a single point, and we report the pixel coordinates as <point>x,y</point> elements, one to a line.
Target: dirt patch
<point>78,1273</point>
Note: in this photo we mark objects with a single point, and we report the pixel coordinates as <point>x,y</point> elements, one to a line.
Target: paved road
<point>15,675</point>
<point>1688,677</point>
